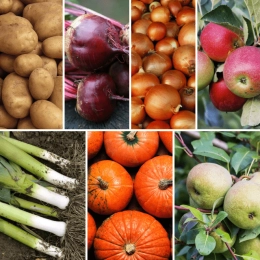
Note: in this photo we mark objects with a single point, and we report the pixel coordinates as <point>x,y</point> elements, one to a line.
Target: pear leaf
<point>221,216</point>
<point>228,134</point>
<point>242,158</point>
<point>251,255</point>
<point>250,113</point>
<point>253,9</point>
<point>184,250</point>
<point>196,213</point>
<point>225,237</point>
<point>222,15</point>
<point>212,152</point>
<point>249,234</point>
<point>205,243</point>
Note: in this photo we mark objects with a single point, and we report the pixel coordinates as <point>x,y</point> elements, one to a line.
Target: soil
<point>69,145</point>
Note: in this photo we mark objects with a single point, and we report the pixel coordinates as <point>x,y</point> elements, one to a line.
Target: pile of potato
<point>31,64</point>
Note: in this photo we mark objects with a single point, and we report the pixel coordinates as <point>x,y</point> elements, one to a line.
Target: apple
<point>241,72</point>
<point>218,41</point>
<point>205,70</point>
<point>223,99</point>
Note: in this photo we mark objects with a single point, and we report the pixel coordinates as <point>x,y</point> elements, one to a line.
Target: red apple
<point>242,71</point>
<point>205,70</point>
<point>223,99</point>
<point>218,41</point>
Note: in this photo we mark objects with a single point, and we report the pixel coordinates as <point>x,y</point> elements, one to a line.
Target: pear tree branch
<point>231,251</point>
<point>201,210</point>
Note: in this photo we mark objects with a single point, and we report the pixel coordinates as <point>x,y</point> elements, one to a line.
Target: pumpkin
<point>95,141</point>
<point>131,149</point>
<point>166,138</point>
<point>110,187</point>
<point>131,235</point>
<point>153,186</point>
<point>92,228</point>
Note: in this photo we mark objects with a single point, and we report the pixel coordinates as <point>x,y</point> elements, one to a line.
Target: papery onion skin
<point>141,44</point>
<point>157,63</point>
<point>136,63</point>
<point>141,26</point>
<point>156,31</point>
<point>184,119</point>
<point>158,124</point>
<point>187,34</point>
<point>191,83</point>
<point>160,14</point>
<point>161,102</point>
<point>188,98</point>
<point>174,7</point>
<point>174,78</point>
<point>137,111</point>
<point>167,46</point>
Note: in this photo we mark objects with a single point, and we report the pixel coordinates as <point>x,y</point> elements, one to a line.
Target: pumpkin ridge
<point>159,256</point>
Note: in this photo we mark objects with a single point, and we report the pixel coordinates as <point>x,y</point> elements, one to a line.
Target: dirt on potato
<point>69,145</point>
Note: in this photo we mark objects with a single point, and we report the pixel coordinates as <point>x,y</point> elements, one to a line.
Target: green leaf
<point>196,213</point>
<point>220,217</point>
<point>212,152</point>
<point>250,114</point>
<point>223,235</point>
<point>249,234</point>
<point>242,158</point>
<point>223,15</point>
<point>184,250</point>
<point>228,134</point>
<point>205,244</point>
<point>197,143</point>
<point>248,31</point>
<point>5,195</point>
<point>254,10</point>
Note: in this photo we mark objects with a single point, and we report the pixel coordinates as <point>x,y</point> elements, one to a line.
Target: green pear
<point>247,246</point>
<point>242,204</point>
<point>193,203</point>
<point>208,182</point>
<point>255,177</point>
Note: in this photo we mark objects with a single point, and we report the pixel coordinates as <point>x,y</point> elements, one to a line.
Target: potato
<point>56,96</point>
<point>6,120</point>
<point>7,62</point>
<point>16,97</point>
<point>60,68</point>
<point>24,64</point>
<point>12,19</point>
<point>45,115</point>
<point>16,39</point>
<point>38,49</point>
<point>52,47</point>
<point>50,65</point>
<point>1,86</point>
<point>40,1</point>
<point>5,6</point>
<point>25,123</point>
<point>17,7</point>
<point>41,84</point>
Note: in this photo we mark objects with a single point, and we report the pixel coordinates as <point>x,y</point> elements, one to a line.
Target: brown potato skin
<point>40,1</point>
<point>5,6</point>
<point>25,123</point>
<point>52,47</point>
<point>56,96</point>
<point>6,120</point>
<point>41,84</point>
<point>60,68</point>
<point>17,7</point>
<point>24,64</point>
<point>38,49</point>
<point>16,96</point>
<point>46,115</point>
<point>7,62</point>
<point>50,65</point>
<point>1,86</point>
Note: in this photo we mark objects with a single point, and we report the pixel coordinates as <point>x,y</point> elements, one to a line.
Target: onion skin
<point>161,102</point>
<point>174,78</point>
<point>88,43</point>
<point>96,100</point>
<point>158,124</point>
<point>187,34</point>
<point>183,120</point>
<point>137,111</point>
<point>141,44</point>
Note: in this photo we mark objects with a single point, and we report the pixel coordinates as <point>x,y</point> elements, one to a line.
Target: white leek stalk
<point>26,161</point>
<point>29,240</point>
<point>38,152</point>
<point>20,216</point>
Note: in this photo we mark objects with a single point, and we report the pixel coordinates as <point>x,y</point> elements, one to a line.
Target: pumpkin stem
<point>131,135</point>
<point>130,249</point>
<point>164,184</point>
<point>103,184</point>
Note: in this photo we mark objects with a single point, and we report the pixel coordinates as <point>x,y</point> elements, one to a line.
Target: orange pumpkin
<point>166,138</point>
<point>95,141</point>
<point>153,186</point>
<point>131,148</point>
<point>110,187</point>
<point>131,235</point>
<point>92,229</point>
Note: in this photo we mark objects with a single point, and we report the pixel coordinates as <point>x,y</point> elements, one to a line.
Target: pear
<point>255,177</point>
<point>242,204</point>
<point>208,182</point>
<point>247,246</point>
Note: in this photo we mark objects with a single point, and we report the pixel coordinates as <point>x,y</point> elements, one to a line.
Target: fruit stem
<point>201,210</point>
<point>130,249</point>
<point>230,250</point>
<point>131,135</point>
<point>103,184</point>
<point>164,184</point>
<point>175,110</point>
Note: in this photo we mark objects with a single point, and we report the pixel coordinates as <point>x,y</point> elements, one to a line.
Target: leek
<point>28,239</point>
<point>38,152</point>
<point>13,178</point>
<point>26,161</point>
<point>20,216</point>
